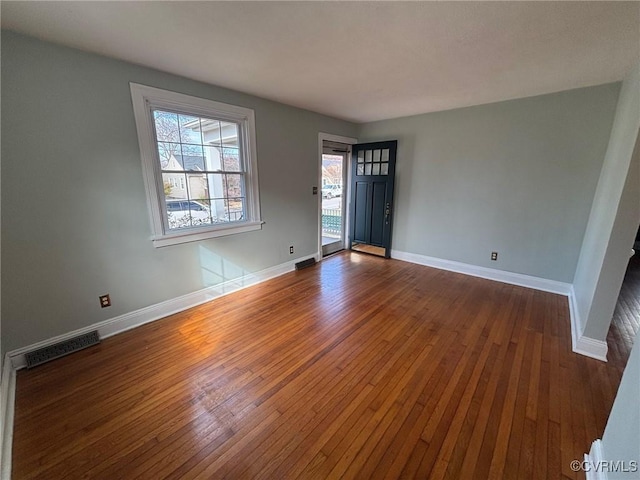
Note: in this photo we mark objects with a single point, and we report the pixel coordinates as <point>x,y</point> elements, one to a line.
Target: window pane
<point>184,211</point>
<point>361,156</point>
<point>212,158</point>
<point>198,188</point>
<point>236,209</point>
<point>360,170</point>
<point>233,186</point>
<point>192,158</point>
<point>384,169</point>
<point>189,129</point>
<point>179,214</point>
<point>166,126</point>
<point>200,212</point>
<point>174,185</point>
<point>376,155</point>
<point>367,156</point>
<point>219,211</point>
<point>231,160</point>
<point>210,131</point>
<point>229,132</point>
<point>376,169</point>
<point>215,185</point>
<point>385,155</point>
<point>367,169</point>
<point>201,205</point>
<point>165,152</point>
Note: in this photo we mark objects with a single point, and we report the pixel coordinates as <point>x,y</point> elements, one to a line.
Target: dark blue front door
<point>372,176</point>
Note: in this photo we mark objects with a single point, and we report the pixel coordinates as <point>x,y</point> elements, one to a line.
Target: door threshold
<point>370,249</point>
<point>327,255</point>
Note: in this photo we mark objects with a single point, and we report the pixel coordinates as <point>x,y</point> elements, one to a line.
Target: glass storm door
<point>373,172</point>
<point>333,190</point>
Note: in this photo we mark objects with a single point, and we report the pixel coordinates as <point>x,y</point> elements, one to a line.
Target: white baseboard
<point>587,346</point>
<point>511,278</point>
<point>590,347</point>
<point>7,403</point>
<point>595,458</point>
<point>134,319</point>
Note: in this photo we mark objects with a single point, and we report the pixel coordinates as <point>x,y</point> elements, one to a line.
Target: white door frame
<point>345,187</point>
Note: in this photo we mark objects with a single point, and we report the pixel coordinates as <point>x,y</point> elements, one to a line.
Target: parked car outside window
<point>330,191</point>
<point>182,213</point>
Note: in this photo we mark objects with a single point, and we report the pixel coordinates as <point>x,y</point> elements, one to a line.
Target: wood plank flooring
<point>359,367</point>
<point>626,317</point>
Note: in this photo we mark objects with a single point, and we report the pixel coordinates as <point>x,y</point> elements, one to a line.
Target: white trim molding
<point>127,321</point>
<point>587,346</point>
<point>595,458</point>
<point>511,278</point>
<point>7,404</point>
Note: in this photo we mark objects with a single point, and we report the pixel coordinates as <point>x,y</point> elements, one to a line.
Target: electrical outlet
<point>494,255</point>
<point>291,250</point>
<point>105,300</point>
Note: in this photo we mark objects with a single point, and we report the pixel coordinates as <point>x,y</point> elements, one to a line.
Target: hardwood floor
<point>357,368</point>
<point>626,317</point>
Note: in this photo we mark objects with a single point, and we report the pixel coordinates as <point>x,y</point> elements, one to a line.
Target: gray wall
<point>621,439</point>
<point>516,177</point>
<point>613,221</point>
<point>74,213</point>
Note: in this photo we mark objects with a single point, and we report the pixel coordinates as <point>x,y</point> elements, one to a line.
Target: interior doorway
<point>333,192</point>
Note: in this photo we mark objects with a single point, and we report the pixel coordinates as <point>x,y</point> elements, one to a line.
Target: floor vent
<point>309,262</point>
<point>61,349</point>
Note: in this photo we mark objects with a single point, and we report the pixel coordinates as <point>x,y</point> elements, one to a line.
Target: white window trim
<point>145,98</point>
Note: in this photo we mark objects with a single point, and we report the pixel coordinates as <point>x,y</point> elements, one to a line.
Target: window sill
<point>176,238</point>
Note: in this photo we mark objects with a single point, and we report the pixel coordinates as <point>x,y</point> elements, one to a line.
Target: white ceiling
<point>360,61</point>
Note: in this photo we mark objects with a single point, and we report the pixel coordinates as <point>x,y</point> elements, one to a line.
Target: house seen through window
<point>201,167</point>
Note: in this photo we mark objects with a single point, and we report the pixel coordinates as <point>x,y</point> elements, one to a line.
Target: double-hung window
<point>199,165</point>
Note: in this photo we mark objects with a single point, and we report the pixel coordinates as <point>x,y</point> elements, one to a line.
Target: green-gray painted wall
<point>516,177</point>
<point>74,211</point>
